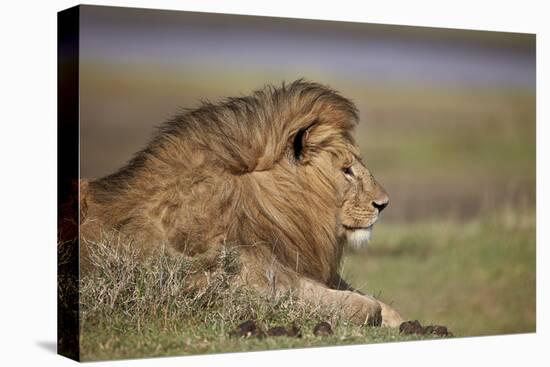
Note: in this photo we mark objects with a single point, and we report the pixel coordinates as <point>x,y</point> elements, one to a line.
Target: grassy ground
<point>207,334</point>
<point>131,308</point>
<point>478,278</point>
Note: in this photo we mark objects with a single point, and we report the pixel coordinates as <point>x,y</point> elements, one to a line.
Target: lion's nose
<point>381,205</point>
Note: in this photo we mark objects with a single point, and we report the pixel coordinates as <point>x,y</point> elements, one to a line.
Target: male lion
<point>275,176</point>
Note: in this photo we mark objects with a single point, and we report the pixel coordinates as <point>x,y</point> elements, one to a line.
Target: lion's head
<point>364,199</point>
<point>324,152</point>
<point>277,173</point>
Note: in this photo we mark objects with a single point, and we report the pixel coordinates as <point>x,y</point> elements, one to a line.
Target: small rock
<point>414,327</point>
<point>438,330</point>
<point>429,329</point>
<point>322,329</point>
<point>411,327</point>
<point>247,329</point>
<point>294,331</point>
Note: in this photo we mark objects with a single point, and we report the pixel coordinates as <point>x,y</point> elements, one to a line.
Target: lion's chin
<point>358,238</point>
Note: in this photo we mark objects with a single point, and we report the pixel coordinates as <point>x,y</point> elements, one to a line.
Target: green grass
<point>185,337</point>
<point>477,278</point>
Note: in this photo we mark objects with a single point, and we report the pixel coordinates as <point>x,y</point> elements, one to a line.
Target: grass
<point>477,278</point>
<point>132,308</point>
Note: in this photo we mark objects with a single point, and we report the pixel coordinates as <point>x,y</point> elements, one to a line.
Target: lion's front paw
<point>363,310</point>
<point>390,317</point>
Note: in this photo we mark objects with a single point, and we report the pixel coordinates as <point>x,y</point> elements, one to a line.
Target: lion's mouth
<point>357,228</point>
<point>357,236</point>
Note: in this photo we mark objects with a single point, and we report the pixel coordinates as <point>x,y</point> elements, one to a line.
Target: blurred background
<point>447,126</point>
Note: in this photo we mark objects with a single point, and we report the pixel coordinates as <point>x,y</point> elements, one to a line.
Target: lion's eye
<point>348,171</point>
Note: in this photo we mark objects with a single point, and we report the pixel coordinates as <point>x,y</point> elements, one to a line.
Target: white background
<point>28,181</point>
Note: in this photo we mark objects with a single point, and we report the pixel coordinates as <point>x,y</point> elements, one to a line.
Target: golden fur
<point>275,175</point>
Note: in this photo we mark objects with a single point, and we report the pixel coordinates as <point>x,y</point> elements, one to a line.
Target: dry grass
<point>130,307</point>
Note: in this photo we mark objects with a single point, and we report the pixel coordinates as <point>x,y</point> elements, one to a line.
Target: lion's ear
<point>299,142</point>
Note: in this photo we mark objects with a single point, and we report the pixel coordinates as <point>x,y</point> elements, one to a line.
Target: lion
<point>276,176</point>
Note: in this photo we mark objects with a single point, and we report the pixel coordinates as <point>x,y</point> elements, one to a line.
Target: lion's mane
<point>248,172</point>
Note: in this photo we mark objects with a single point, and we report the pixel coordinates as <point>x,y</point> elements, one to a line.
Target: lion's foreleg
<point>360,309</point>
<point>390,317</point>
<point>272,279</point>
